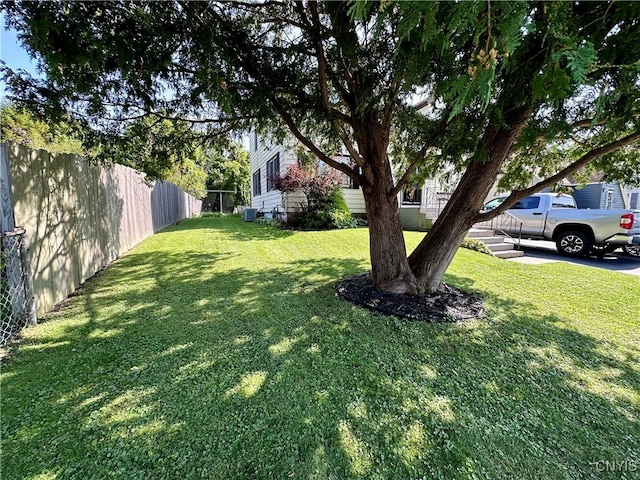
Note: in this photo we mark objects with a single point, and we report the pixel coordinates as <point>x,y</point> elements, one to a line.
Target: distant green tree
<point>162,148</point>
<point>19,125</point>
<point>229,170</point>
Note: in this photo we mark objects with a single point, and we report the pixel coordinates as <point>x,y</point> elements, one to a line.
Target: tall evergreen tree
<point>506,83</point>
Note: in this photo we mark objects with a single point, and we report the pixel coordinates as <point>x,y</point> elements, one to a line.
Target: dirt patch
<point>449,304</point>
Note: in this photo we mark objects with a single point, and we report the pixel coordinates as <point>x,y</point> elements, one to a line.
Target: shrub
<point>213,214</point>
<point>272,222</point>
<point>477,245</point>
<point>325,206</point>
<point>327,214</point>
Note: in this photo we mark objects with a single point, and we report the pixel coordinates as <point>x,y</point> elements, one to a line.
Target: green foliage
<point>161,148</point>
<point>219,349</point>
<point>228,169</point>
<point>568,62</point>
<point>21,126</point>
<point>522,78</point>
<point>580,60</point>
<point>271,222</point>
<point>325,213</point>
<point>565,61</point>
<point>167,149</point>
<point>476,245</point>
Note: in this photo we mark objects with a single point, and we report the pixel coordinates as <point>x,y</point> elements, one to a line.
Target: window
<point>347,181</point>
<point>273,168</point>
<point>352,183</point>
<point>608,199</point>
<point>255,142</point>
<point>531,202</point>
<point>528,203</point>
<point>493,204</point>
<point>257,188</point>
<point>563,202</point>
<point>412,195</point>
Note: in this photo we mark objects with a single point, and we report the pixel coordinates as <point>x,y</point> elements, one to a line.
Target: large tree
<point>507,84</point>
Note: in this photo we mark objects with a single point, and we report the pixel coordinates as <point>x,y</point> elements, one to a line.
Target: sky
<point>16,57</point>
<point>12,53</point>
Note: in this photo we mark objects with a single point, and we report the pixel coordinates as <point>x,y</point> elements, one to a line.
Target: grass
<point>218,349</point>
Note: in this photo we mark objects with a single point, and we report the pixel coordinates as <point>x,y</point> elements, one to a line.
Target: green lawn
<point>219,350</point>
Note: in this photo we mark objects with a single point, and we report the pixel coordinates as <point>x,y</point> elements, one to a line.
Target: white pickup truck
<point>577,232</point>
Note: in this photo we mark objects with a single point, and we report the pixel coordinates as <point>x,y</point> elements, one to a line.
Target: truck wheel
<point>573,244</point>
<point>632,250</point>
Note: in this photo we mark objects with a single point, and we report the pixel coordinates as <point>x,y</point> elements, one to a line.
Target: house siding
<point>634,198</point>
<point>588,196</point>
<point>355,200</point>
<point>595,195</point>
<point>266,201</point>
<point>260,153</point>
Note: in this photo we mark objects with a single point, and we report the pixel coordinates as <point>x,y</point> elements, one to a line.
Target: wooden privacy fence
<point>79,217</point>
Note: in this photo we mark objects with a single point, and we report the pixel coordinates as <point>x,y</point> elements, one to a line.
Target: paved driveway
<point>536,252</point>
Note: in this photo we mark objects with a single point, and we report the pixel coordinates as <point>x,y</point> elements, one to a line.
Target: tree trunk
<point>390,269</point>
<point>431,258</point>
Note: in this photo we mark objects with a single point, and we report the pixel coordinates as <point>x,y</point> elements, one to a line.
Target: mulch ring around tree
<point>448,304</point>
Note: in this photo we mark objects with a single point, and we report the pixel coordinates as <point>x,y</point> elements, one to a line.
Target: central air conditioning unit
<point>250,214</point>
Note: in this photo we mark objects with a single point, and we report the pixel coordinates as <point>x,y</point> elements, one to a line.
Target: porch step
<point>496,243</point>
<point>509,254</point>
<point>480,233</point>
<point>490,240</point>
<point>500,247</point>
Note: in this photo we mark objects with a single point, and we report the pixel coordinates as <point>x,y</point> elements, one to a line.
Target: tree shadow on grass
<point>233,228</point>
<point>189,366</point>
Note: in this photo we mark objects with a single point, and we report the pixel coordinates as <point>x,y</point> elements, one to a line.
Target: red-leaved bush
<point>315,182</point>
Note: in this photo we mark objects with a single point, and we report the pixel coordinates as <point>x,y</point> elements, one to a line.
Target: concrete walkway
<point>538,252</point>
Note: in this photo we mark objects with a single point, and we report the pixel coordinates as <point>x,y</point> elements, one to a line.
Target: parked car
<point>576,232</point>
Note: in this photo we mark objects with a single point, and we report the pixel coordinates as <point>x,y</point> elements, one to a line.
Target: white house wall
<point>267,202</point>
<point>354,199</point>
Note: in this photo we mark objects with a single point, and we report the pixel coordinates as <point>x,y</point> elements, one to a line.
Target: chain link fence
<point>17,308</point>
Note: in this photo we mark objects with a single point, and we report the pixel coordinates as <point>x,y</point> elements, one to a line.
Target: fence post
<point>31,316</point>
<point>7,223</point>
<point>17,302</point>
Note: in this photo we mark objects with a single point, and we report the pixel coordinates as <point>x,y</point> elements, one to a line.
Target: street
<point>537,252</point>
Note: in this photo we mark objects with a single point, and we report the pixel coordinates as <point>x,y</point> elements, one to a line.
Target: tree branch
<point>420,155</point>
<point>310,145</point>
<point>565,172</point>
<point>353,151</point>
<point>586,123</point>
<point>387,116</point>
<point>253,67</point>
<point>193,121</point>
<point>322,61</point>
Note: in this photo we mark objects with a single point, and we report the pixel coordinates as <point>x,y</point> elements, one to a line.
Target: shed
<point>600,195</point>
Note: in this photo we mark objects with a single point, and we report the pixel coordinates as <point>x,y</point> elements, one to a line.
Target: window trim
<point>348,182</point>
<point>257,185</point>
<point>273,168</point>
<point>417,199</point>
